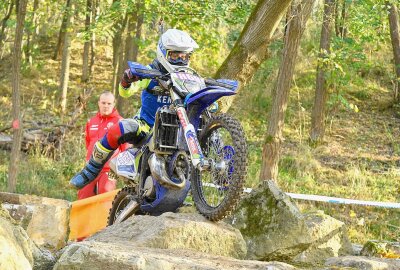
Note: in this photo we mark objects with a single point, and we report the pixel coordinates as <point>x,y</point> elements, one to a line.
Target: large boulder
<point>329,239</point>
<point>272,225</point>
<point>17,250</point>
<point>44,219</point>
<point>274,229</point>
<point>177,231</point>
<point>363,263</point>
<point>122,254</point>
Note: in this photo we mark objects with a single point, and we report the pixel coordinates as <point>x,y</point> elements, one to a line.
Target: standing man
<point>96,128</point>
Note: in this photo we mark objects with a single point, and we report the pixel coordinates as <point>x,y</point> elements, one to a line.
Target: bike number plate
<point>125,165</point>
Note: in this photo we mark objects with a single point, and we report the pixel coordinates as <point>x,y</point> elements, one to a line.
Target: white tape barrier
<point>328,199</point>
<point>342,201</point>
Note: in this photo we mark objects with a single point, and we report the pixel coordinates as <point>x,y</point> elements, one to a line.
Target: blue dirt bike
<point>188,149</point>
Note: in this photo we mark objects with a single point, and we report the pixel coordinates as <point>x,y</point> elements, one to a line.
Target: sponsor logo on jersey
<point>110,125</point>
<point>164,99</point>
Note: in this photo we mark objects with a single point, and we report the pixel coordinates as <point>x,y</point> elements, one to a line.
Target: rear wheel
<point>216,192</point>
<point>122,200</point>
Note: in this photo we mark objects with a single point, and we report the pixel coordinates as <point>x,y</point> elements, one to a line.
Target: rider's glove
<point>128,78</point>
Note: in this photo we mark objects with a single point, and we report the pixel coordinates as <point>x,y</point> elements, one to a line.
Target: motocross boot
<point>93,167</point>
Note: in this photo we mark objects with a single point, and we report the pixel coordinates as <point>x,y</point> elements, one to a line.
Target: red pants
<point>100,185</point>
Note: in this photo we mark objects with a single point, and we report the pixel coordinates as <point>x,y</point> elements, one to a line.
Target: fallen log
<point>47,137</point>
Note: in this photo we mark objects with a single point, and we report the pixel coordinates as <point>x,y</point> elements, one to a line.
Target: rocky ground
<point>285,239</point>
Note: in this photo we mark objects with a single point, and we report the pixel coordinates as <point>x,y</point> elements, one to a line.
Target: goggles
<point>178,58</point>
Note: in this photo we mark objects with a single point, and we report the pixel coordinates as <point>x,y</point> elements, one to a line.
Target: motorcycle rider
<point>173,50</point>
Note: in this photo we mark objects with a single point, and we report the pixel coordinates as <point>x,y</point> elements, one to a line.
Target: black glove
<point>128,78</point>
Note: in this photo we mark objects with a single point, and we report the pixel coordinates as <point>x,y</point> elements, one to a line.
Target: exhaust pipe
<point>158,171</point>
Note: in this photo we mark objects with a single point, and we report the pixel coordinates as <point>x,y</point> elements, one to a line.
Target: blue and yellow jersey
<point>150,102</point>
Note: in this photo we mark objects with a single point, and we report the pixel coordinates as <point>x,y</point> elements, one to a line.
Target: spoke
<point>219,148</point>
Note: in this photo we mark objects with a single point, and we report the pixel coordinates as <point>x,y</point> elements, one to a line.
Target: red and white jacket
<point>96,128</point>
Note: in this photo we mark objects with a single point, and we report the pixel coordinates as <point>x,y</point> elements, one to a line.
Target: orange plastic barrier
<point>89,215</point>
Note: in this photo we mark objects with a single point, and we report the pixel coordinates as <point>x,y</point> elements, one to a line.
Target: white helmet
<point>174,49</point>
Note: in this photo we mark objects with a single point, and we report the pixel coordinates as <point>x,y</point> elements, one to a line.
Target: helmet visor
<point>178,58</point>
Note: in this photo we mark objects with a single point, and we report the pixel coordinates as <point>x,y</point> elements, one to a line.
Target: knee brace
<point>134,131</point>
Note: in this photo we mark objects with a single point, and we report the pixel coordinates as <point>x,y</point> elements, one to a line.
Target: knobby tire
<point>231,199</point>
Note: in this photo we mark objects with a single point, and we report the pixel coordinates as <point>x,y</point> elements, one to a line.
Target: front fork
<point>196,154</point>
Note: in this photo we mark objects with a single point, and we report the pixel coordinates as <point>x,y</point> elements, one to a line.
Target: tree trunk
<point>121,102</point>
<point>117,48</point>
<point>4,22</point>
<point>63,30</point>
<point>17,123</point>
<point>130,36</point>
<point>340,18</point>
<point>321,91</point>
<point>394,34</point>
<point>116,55</point>
<point>65,63</point>
<point>287,19</point>
<point>272,144</point>
<point>250,50</point>
<point>35,21</point>
<point>139,24</point>
<point>31,34</point>
<point>86,45</point>
<point>93,40</point>
<point>342,28</point>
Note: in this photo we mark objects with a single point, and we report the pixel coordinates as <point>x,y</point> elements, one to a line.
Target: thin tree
<point>63,30</point>
<point>340,18</point>
<point>95,8</point>
<point>86,45</point>
<point>321,91</point>
<point>30,37</point>
<point>121,65</point>
<point>65,62</point>
<point>134,32</point>
<point>130,36</point>
<point>4,22</point>
<point>394,34</point>
<point>119,27</point>
<point>272,145</point>
<point>16,110</point>
<point>251,49</point>
<point>35,21</point>
<point>139,25</point>
<point>123,58</point>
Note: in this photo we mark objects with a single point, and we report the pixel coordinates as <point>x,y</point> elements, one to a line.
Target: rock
<point>363,263</point>
<point>46,220</point>
<point>177,231</point>
<point>17,250</point>
<point>127,255</point>
<point>357,248</point>
<point>329,239</point>
<point>272,225</point>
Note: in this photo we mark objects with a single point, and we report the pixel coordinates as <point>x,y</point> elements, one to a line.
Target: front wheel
<point>216,192</point>
<point>124,205</point>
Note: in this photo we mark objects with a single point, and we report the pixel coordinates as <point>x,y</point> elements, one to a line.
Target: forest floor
<point>358,159</point>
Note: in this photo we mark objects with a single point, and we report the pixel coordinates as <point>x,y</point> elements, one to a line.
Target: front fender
<point>207,96</point>
<point>196,103</point>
